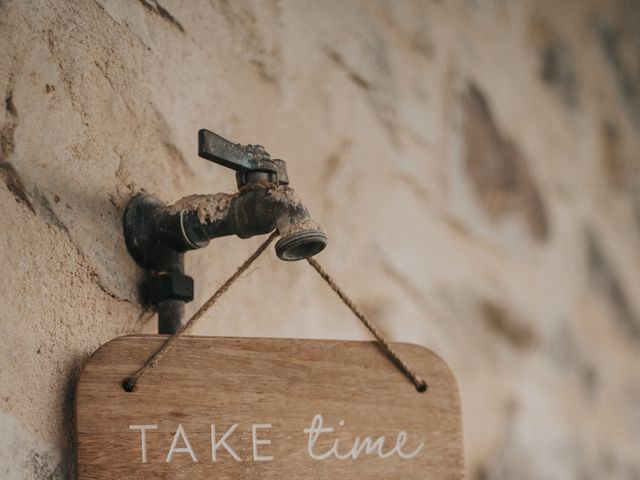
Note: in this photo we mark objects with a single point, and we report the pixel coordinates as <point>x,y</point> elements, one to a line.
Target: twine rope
<point>386,347</point>
<point>130,383</point>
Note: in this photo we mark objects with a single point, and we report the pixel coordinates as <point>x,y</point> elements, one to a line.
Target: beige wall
<point>475,164</point>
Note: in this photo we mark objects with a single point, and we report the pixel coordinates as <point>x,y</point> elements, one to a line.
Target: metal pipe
<point>170,315</point>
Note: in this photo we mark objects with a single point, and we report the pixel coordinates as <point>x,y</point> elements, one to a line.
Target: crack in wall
<point>155,7</point>
<point>605,279</point>
<point>8,173</point>
<point>353,75</point>
<point>9,127</point>
<point>14,184</point>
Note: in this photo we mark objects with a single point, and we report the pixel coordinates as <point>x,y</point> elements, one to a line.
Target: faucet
<point>158,235</point>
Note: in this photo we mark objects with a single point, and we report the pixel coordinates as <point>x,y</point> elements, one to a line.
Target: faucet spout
<point>257,209</point>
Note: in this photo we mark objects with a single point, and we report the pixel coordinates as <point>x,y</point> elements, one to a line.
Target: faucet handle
<point>251,162</point>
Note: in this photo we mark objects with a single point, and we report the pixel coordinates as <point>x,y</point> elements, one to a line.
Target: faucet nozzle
<point>304,242</point>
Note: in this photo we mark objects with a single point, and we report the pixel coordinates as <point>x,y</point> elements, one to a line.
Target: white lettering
<point>256,442</point>
<point>143,437</point>
<point>314,433</point>
<point>402,438</point>
<point>321,444</point>
<point>369,446</point>
<point>223,441</point>
<point>361,444</point>
<point>186,449</point>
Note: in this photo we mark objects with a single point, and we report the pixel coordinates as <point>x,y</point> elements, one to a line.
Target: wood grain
<point>282,382</point>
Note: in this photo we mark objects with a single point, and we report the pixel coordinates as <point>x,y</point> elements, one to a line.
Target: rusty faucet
<point>158,235</point>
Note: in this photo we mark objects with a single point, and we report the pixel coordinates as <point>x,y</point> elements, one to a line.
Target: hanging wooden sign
<point>248,408</point>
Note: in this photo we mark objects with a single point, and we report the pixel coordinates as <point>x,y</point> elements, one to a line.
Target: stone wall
<point>475,161</point>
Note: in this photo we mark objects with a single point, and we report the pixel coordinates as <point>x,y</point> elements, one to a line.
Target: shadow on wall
<point>498,169</point>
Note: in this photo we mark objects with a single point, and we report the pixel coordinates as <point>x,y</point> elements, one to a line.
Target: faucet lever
<point>251,162</point>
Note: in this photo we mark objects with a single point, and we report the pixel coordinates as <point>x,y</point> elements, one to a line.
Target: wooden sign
<point>248,408</point>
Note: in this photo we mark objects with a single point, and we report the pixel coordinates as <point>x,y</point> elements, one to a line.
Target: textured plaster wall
<point>475,164</point>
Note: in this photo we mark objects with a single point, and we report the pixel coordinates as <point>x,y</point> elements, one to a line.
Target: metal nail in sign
<point>243,408</point>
